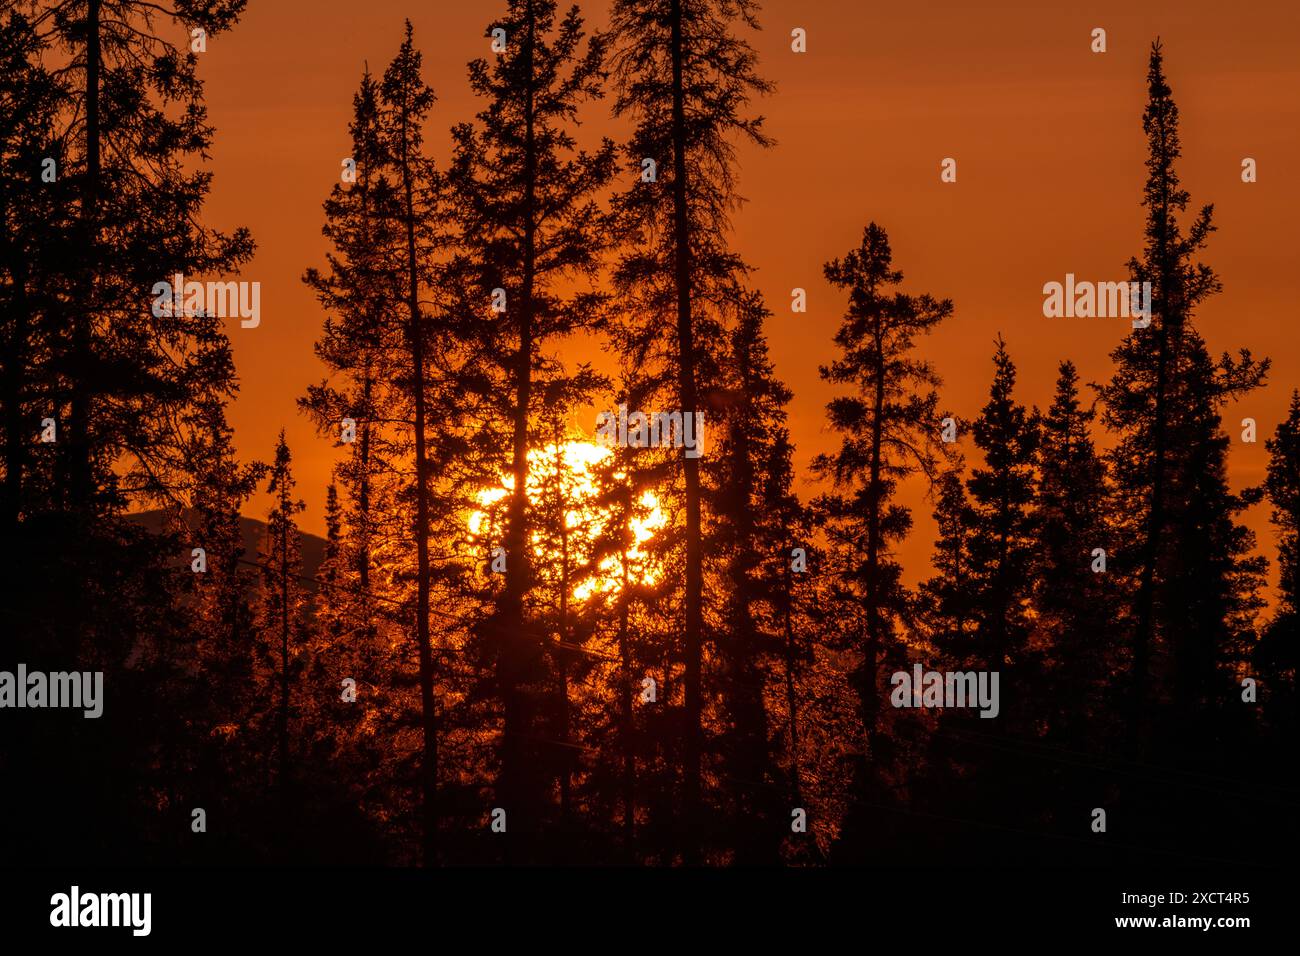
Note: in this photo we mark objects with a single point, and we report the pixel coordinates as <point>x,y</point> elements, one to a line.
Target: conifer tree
<point>1195,586</point>
<point>36,228</point>
<point>126,371</point>
<point>212,522</point>
<point>984,616</point>
<point>1002,542</point>
<point>405,100</point>
<point>751,508</point>
<point>944,600</point>
<point>1075,594</point>
<point>529,226</point>
<point>358,336</point>
<point>282,619</point>
<point>364,407</point>
<point>1276,653</point>
<point>121,107</point>
<point>330,575</point>
<point>685,76</point>
<point>889,426</point>
<point>626,553</point>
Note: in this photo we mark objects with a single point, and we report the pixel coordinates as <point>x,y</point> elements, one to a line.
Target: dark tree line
<point>520,646</point>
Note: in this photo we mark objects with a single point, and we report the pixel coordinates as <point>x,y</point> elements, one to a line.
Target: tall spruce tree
<point>282,619</point>
<point>983,617</point>
<point>1195,585</point>
<point>1075,593</point>
<point>633,567</point>
<point>363,407</point>
<point>405,101</point>
<point>125,372</point>
<point>1276,652</point>
<point>685,76</point>
<point>37,219</point>
<point>944,600</point>
<point>753,514</point>
<point>358,336</point>
<point>530,226</point>
<point>1002,541</point>
<point>889,427</point>
<point>121,388</point>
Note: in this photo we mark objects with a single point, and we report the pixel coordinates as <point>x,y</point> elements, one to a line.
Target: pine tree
<point>1075,593</point>
<point>752,509</point>
<point>361,224</point>
<point>983,618</point>
<point>330,578</point>
<point>415,381</point>
<point>889,426</point>
<point>36,226</point>
<point>1276,652</point>
<point>1002,542</point>
<point>282,607</point>
<point>405,102</point>
<point>944,601</point>
<point>126,372</point>
<point>122,108</point>
<point>529,225</point>
<point>1194,584</point>
<point>793,520</point>
<point>222,615</point>
<point>685,77</point>
<point>628,566</point>
<point>365,408</point>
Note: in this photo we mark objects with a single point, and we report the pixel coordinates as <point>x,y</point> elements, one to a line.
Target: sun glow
<point>568,476</point>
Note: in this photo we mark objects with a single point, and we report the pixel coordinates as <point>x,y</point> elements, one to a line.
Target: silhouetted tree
<point>282,605</point>
<point>361,224</point>
<point>1276,652</point>
<point>685,78</point>
<point>405,102</point>
<point>889,431</point>
<point>944,600</point>
<point>529,225</point>
<point>889,425</point>
<point>1193,582</point>
<point>753,514</point>
<point>120,110</point>
<point>1076,596</point>
<point>126,371</point>
<point>1002,538</point>
<point>37,217</point>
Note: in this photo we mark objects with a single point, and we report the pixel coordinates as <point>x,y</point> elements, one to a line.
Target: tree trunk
<point>284,647</point>
<point>15,361</point>
<point>1143,632</point>
<point>561,658</point>
<point>791,701</point>
<point>871,652</point>
<point>79,464</point>
<point>429,720</point>
<point>691,832</point>
<point>514,649</point>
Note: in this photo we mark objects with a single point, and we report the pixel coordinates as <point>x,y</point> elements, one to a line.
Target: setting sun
<point>571,473</point>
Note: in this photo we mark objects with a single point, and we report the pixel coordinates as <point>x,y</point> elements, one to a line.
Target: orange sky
<point>1047,136</point>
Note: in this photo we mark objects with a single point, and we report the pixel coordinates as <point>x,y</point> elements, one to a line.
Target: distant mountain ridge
<point>252,533</point>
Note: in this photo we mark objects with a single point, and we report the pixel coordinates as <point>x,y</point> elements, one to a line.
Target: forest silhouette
<point>516,645</point>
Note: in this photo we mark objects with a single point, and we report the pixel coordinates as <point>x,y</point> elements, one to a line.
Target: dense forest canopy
<point>524,639</point>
